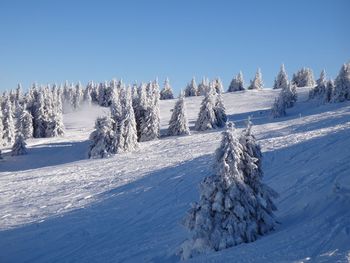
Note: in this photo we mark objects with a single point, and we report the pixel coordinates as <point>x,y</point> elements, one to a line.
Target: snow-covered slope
<point>57,206</point>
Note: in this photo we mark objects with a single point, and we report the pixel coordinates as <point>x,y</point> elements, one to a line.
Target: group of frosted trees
<point>237,83</point>
<point>37,113</point>
<point>323,90</point>
<point>235,206</point>
<point>287,96</point>
<point>135,117</point>
<point>326,91</point>
<point>203,88</point>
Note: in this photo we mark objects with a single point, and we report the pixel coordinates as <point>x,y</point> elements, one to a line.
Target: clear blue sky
<point>52,41</point>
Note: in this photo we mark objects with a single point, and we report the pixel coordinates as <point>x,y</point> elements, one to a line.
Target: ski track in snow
<point>57,206</point>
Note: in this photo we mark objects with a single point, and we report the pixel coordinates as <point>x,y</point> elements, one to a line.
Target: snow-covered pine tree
<point>54,124</point>
<point>150,122</point>
<point>24,125</point>
<point>203,87</point>
<point>127,136</point>
<point>237,83</point>
<point>329,91</point>
<point>191,89</point>
<point>101,138</point>
<point>318,92</point>
<point>206,118</point>
<point>281,81</point>
<point>304,78</point>
<point>87,99</point>
<point>257,82</point>
<point>229,211</point>
<point>220,111</point>
<point>20,146</point>
<point>78,96</point>
<point>19,95</point>
<point>342,84</point>
<point>167,92</point>
<point>8,123</point>
<point>178,124</point>
<point>219,88</point>
<point>116,109</point>
<point>279,106</point>
<point>290,95</point>
<point>252,159</point>
<point>140,108</point>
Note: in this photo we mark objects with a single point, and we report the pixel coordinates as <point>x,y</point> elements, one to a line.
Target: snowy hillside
<point>58,206</point>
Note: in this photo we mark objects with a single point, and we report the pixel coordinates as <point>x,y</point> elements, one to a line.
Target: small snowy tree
<point>279,107</point>
<point>281,81</point>
<point>191,89</point>
<point>206,118</point>
<point>342,84</point>
<point>203,87</point>
<point>237,83</point>
<point>87,99</point>
<point>217,83</point>
<point>1,128</point>
<point>78,96</point>
<point>127,136</point>
<point>20,146</point>
<point>304,78</point>
<point>178,124</point>
<point>220,111</point>
<point>230,211</point>
<point>8,123</point>
<point>257,82</point>
<point>24,123</point>
<point>167,92</point>
<point>319,90</point>
<point>101,138</point>
<point>329,91</point>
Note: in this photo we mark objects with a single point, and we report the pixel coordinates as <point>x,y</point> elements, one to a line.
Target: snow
<point>58,206</point>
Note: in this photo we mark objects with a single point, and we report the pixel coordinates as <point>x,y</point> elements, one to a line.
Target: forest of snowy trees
<point>134,109</point>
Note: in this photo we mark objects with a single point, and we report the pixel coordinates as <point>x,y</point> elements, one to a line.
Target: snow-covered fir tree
<point>8,123</point>
<point>257,82</point>
<point>167,92</point>
<point>116,109</point>
<point>203,87</point>
<point>206,118</point>
<point>318,92</point>
<point>279,106</point>
<point>20,146</point>
<point>220,111</point>
<point>218,86</point>
<point>281,81</point>
<point>191,88</point>
<point>24,123</point>
<point>230,211</point>
<point>237,83</point>
<point>304,78</point>
<point>101,138</point>
<point>342,84</point>
<point>150,122</point>
<point>140,108</point>
<point>78,96</point>
<point>1,128</point>
<point>178,124</point>
<point>127,135</point>
<point>329,91</point>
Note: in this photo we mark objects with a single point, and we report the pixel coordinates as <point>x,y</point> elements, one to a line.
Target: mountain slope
<point>57,206</point>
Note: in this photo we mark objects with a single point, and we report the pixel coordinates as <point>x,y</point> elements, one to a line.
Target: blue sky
<point>52,41</point>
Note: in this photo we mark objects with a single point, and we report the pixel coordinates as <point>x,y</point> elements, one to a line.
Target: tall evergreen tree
<point>167,92</point>
<point>101,138</point>
<point>191,89</point>
<point>230,211</point>
<point>319,90</point>
<point>24,123</point>
<point>203,87</point>
<point>8,123</point>
<point>178,124</point>
<point>329,91</point>
<point>257,82</point>
<point>206,118</point>
<point>281,81</point>
<point>237,83</point>
<point>342,84</point>
<point>217,83</point>
<point>220,111</point>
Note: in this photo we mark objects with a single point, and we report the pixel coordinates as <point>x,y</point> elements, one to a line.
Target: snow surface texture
<point>58,206</point>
